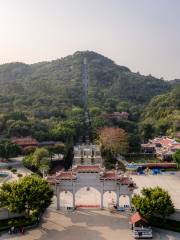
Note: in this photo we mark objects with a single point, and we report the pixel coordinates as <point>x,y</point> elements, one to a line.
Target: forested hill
<point>43,98</point>
<point>47,85</point>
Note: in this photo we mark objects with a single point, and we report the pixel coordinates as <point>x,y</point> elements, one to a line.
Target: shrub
<point>13,170</point>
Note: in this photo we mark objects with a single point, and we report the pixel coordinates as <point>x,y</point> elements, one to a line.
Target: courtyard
<point>85,224</point>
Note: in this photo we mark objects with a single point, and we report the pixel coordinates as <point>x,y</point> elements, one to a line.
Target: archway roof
<point>103,174</point>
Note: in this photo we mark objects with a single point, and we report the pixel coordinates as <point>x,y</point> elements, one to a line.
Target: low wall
<point>176,215</point>
<point>10,164</point>
<point>6,214</point>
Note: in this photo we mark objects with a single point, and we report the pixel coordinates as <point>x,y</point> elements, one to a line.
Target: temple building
<point>25,142</point>
<point>87,154</point>
<point>162,147</point>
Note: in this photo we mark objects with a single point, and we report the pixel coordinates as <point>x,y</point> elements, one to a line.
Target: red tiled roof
<point>137,217</point>
<point>176,146</point>
<point>87,168</point>
<point>61,176</point>
<point>65,175</point>
<point>163,164</point>
<point>70,175</point>
<point>25,141</point>
<point>110,175</point>
<point>164,141</point>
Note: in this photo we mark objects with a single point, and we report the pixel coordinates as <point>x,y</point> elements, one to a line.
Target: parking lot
<point>167,181</point>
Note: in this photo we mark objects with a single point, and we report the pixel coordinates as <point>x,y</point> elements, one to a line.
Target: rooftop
<point>137,217</point>
<point>87,168</point>
<point>103,174</point>
<point>25,141</point>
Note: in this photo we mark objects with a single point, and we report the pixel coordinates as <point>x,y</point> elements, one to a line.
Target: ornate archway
<point>90,176</point>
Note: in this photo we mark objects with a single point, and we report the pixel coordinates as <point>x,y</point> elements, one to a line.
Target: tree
<point>148,131</point>
<point>9,149</point>
<point>176,157</point>
<point>19,128</point>
<point>134,143</point>
<point>61,132</point>
<point>28,162</point>
<point>44,166</point>
<point>114,140</point>
<point>38,156</point>
<point>58,149</point>
<point>154,201</point>
<point>38,161</point>
<point>30,195</point>
<point>29,150</point>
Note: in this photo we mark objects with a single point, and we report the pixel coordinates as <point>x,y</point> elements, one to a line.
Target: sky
<point>143,35</point>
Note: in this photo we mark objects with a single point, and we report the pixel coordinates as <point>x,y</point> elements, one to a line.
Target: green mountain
<point>59,83</point>
<point>163,113</point>
<point>42,98</point>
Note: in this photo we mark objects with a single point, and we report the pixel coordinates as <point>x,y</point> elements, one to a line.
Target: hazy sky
<point>143,35</point>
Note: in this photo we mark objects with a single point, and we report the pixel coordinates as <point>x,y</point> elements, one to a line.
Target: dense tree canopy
<point>38,160</point>
<point>153,202</point>
<point>114,140</point>
<point>162,115</point>
<point>8,149</point>
<point>30,195</point>
<point>44,100</point>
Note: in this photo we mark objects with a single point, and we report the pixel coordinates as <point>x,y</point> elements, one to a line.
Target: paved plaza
<point>169,182</point>
<point>85,224</point>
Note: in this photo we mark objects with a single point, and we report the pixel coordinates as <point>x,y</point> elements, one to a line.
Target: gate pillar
<point>118,195</point>
<point>57,197</point>
<point>102,193</point>
<point>74,192</point>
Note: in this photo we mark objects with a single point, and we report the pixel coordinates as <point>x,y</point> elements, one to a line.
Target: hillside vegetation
<point>162,114</point>
<point>45,99</point>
